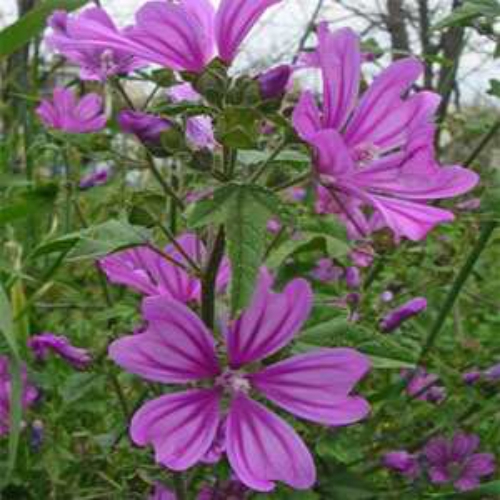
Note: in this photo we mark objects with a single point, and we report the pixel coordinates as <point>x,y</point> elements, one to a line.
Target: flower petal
<point>480,464</point>
<point>175,347</point>
<point>334,159</point>
<point>378,103</point>
<point>181,427</point>
<point>463,445</point>
<point>306,116</point>
<point>340,61</point>
<point>316,385</point>
<point>436,451</point>
<point>269,323</point>
<point>234,20</point>
<point>262,448</point>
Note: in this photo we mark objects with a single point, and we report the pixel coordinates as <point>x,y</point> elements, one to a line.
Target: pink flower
<point>65,113</point>
<point>375,164</point>
<point>42,344</point>
<point>150,273</point>
<point>424,386</point>
<point>96,63</point>
<point>274,226</point>
<point>29,393</point>
<point>456,461</point>
<point>182,35</point>
<point>177,348</point>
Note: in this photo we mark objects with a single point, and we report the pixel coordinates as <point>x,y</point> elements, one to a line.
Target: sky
<point>274,40</point>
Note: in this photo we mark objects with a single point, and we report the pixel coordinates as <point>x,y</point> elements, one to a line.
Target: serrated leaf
<point>21,32</point>
<point>238,127</point>
<point>247,213</point>
<point>211,209</point>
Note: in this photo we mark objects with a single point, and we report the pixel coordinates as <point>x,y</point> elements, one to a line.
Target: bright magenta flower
<point>375,164</point>
<point>221,414</point>
<point>68,114</point>
<point>181,35</point>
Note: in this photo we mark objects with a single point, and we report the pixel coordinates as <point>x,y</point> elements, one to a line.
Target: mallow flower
<point>218,412</point>
<point>151,272</point>
<point>67,113</point>
<point>145,126</point>
<point>28,396</point>
<point>45,343</point>
<point>182,36</point>
<point>374,156</point>
<point>456,461</point>
<point>96,63</point>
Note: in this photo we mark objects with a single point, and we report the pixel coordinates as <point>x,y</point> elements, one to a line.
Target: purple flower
<point>200,132</point>
<point>296,193</point>
<point>150,273</point>
<point>28,397</point>
<point>456,461</point>
<point>162,493</point>
<point>184,92</point>
<point>352,277</point>
<point>326,271</point>
<point>65,113</point>
<point>375,162</point>
<point>402,462</point>
<point>362,255</point>
<point>472,376</point>
<point>96,63</point>
<point>387,296</point>
<point>98,177</point>
<point>423,386</point>
<point>147,128</point>
<point>37,435</point>
<point>177,348</point>
<point>182,35</point>
<point>43,344</point>
<point>493,373</point>
<point>404,312</point>
<point>274,226</point>
<point>273,82</point>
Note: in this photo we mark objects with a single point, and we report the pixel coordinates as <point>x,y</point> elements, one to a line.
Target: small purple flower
<point>326,271</point>
<point>96,63</point>
<point>398,316</point>
<point>146,127</point>
<point>274,226</point>
<point>352,277</point>
<point>162,493</point>
<point>98,177</point>
<point>424,386</point>
<point>493,374</point>
<point>456,461</point>
<point>387,296</point>
<point>37,435</point>
<point>43,344</point>
<point>402,462</point>
<point>296,193</point>
<point>29,393</point>
<point>273,83</point>
<point>472,376</point>
<point>68,114</point>
<point>362,255</point>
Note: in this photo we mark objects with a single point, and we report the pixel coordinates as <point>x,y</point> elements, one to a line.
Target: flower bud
<point>147,128</point>
<point>352,277</point>
<point>395,318</point>
<point>273,83</point>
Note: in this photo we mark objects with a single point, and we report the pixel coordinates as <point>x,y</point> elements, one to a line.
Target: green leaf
<point>494,89</point>
<point>7,329</point>
<point>492,488</point>
<point>96,241</point>
<point>247,213</point>
<point>238,127</point>
<point>470,11</point>
<point>21,32</point>
<point>209,210</point>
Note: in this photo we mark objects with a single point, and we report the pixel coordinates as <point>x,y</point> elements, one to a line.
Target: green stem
<point>265,165</point>
<point>210,278</point>
<point>484,237</point>
<point>293,182</point>
<point>179,486</point>
<point>169,191</point>
<point>484,142</point>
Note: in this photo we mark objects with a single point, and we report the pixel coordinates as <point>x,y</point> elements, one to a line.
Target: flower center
<point>365,153</point>
<point>234,381</point>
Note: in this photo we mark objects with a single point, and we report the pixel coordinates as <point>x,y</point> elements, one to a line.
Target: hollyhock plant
<point>181,36</point>
<point>183,427</point>
<point>28,396</point>
<point>152,273</point>
<point>375,165</point>
<point>95,63</point>
<point>45,343</point>
<point>398,316</point>
<point>457,462</point>
<point>65,112</point>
